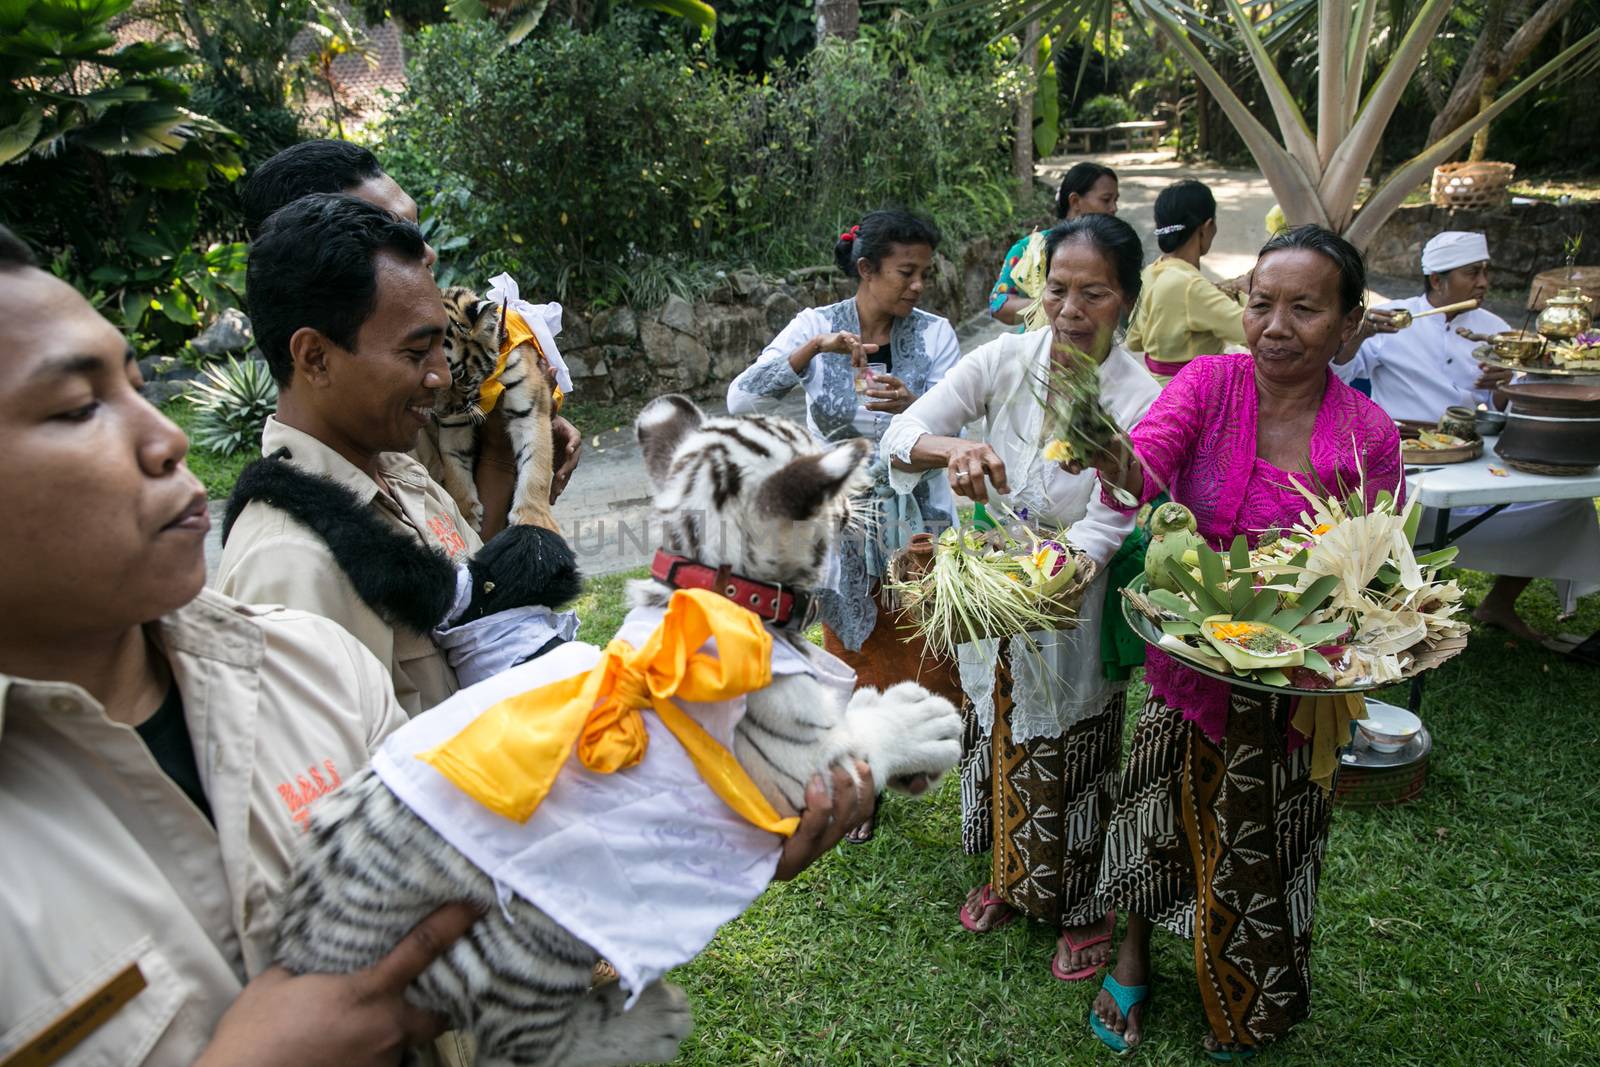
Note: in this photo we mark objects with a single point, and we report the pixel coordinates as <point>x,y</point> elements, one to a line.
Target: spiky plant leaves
<point>232,403</point>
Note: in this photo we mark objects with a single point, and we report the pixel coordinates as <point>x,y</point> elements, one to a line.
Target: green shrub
<point>1104,111</point>
<point>231,404</point>
<point>600,168</point>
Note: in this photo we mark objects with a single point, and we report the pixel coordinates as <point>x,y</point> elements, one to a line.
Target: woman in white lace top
<point>1044,728</point>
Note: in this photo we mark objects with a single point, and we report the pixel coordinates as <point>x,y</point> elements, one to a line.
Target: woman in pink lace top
<point>1220,830</point>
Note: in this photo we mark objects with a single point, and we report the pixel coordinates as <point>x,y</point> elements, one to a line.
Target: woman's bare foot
<point>1132,969</point>
<point>987,910</point>
<point>1509,621</point>
<point>1069,959</point>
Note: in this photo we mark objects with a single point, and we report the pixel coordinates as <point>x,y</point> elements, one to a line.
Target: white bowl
<point>1388,728</point>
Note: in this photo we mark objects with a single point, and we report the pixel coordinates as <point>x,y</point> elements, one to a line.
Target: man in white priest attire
<point>1416,373</point>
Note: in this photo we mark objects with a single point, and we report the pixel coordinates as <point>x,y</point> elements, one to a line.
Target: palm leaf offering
<point>986,580</point>
<point>1339,601</point>
<point>1076,425</point>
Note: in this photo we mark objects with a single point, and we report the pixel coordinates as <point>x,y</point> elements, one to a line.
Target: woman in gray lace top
<point>823,352</point>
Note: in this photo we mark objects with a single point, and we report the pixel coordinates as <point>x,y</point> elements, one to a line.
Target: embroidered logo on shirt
<point>448,537</point>
<point>299,793</point>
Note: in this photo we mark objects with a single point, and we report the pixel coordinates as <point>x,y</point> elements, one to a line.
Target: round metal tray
<point>1541,366</point>
<point>1150,634</point>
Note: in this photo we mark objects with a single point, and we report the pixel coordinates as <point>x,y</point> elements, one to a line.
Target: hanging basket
<point>1472,186</point>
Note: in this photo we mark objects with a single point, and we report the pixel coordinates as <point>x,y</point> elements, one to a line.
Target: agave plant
<point>232,402</point>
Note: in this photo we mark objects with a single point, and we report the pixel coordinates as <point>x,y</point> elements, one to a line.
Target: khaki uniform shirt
<point>271,559</point>
<point>108,864</point>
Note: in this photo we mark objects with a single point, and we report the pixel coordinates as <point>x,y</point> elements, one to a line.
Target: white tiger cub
<point>757,500</point>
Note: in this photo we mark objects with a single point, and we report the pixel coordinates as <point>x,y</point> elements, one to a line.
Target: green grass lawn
<point>1461,929</point>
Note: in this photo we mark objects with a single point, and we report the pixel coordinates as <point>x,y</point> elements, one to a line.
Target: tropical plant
<point>1104,110</point>
<point>522,17</point>
<point>628,164</point>
<point>1314,173</point>
<point>232,402</point>
<point>103,161</point>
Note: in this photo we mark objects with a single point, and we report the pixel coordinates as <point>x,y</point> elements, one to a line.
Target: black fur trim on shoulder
<point>406,583</point>
<point>522,566</point>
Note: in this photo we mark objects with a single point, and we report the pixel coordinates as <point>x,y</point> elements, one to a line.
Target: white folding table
<point>1475,484</point>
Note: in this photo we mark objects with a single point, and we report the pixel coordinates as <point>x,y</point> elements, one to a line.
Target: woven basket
<point>1467,186</point>
<point>1063,605</point>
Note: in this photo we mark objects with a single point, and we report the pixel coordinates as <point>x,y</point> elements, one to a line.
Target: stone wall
<point>698,347</point>
<point>1524,239</point>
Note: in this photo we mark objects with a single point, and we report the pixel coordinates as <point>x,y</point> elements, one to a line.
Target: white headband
<point>1452,249</point>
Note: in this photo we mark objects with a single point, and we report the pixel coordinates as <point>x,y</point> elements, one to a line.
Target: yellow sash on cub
<point>508,757</point>
<point>515,331</point>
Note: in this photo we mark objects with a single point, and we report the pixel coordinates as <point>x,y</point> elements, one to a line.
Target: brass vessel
<point>1566,315</point>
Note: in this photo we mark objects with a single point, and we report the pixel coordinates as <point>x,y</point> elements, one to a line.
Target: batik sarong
<point>1040,807</point>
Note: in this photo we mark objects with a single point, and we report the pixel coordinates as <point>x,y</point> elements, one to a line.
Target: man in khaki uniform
<point>161,748</point>
<point>350,321</point>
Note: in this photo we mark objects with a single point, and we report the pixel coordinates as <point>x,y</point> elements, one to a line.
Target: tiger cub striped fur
<point>371,869</point>
<point>472,348</point>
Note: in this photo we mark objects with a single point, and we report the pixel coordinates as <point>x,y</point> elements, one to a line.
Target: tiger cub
<point>756,495</point>
<point>472,347</point>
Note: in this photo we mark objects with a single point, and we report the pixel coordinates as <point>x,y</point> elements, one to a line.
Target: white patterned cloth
<point>643,865</point>
<point>1060,681</point>
<point>543,319</point>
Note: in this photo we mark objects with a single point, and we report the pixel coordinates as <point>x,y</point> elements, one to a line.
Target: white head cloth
<point>543,319</point>
<point>1452,249</point>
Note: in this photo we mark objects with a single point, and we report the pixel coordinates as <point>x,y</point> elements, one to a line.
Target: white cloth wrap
<point>643,865</point>
<point>1060,681</point>
<point>1452,249</point>
<point>543,319</point>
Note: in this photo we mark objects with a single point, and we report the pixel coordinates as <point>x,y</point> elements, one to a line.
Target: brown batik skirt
<point>1223,843</point>
<point>1040,807</point>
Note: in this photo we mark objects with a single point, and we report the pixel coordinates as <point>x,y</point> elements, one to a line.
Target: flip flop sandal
<point>869,829</point>
<point>987,897</point>
<point>1127,998</point>
<point>1231,1055</point>
<point>1078,946</point>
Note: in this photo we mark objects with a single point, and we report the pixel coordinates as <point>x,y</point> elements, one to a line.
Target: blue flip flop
<point>1231,1055</point>
<point>1127,998</point>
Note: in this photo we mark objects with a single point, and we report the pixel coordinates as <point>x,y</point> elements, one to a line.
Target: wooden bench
<point>1135,135</point>
<point>1086,133</point>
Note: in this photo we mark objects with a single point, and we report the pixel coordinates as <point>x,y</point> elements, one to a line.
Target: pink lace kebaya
<point>1198,442</point>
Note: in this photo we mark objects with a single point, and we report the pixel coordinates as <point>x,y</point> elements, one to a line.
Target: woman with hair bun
<point>1086,189</point>
<point>1180,314</point>
<point>1044,712</point>
<point>861,362</point>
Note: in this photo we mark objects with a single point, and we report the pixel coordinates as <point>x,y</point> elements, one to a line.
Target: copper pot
<point>1553,423</point>
<point>1566,315</point>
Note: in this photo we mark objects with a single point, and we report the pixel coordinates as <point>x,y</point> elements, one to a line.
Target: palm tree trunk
<point>1466,98</point>
<point>1022,142</point>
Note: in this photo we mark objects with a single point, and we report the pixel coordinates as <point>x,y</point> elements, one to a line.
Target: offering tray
<point>1424,656</point>
<point>1541,365</point>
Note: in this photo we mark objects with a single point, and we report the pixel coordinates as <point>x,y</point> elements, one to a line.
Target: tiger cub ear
<point>803,487</point>
<point>661,427</point>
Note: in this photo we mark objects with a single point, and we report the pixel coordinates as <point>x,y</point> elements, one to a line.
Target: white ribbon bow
<point>543,319</point>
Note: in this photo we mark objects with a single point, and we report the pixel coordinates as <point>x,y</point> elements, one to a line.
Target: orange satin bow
<point>508,757</point>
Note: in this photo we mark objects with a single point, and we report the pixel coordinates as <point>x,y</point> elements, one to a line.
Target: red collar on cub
<point>769,600</point>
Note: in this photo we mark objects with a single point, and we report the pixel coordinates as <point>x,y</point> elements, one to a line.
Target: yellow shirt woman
<point>1180,315</point>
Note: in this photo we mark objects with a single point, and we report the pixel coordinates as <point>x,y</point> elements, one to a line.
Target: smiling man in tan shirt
<point>351,323</point>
